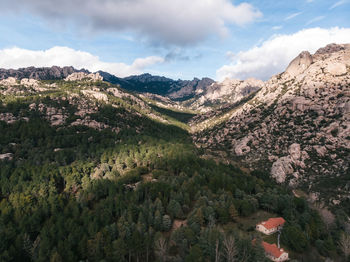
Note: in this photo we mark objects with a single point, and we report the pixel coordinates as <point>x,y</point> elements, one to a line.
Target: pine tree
<point>166,225</point>
<point>158,220</point>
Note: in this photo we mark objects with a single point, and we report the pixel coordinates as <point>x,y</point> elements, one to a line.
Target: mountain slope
<point>90,171</point>
<point>297,126</point>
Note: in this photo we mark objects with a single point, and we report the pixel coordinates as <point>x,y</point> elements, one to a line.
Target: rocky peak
<point>331,48</point>
<point>79,76</point>
<point>299,64</point>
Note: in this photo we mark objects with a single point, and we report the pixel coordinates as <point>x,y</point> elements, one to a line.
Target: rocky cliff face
<point>297,126</point>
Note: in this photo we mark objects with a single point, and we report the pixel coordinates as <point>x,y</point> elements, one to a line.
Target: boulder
<point>281,168</point>
<point>336,69</point>
<point>294,151</point>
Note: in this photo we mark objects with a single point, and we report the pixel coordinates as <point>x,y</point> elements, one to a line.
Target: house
<point>271,225</point>
<point>274,253</point>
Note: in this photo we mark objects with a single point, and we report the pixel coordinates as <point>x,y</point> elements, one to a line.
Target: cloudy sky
<point>174,38</point>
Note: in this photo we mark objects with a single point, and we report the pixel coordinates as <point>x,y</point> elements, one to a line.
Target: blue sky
<point>207,38</point>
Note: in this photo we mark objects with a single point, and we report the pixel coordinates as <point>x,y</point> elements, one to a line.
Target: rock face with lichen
<point>298,125</point>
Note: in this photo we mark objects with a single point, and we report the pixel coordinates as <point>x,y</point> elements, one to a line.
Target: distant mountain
<point>42,73</point>
<point>145,83</point>
<point>159,85</point>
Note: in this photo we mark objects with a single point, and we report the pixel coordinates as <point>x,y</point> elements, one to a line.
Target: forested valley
<point>141,193</point>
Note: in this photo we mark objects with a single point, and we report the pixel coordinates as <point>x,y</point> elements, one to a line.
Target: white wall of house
<point>266,231</point>
<point>282,258</point>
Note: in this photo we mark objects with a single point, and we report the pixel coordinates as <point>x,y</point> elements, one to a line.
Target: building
<point>271,225</point>
<point>274,253</point>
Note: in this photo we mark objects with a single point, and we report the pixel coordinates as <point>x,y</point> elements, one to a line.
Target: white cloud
<point>274,55</point>
<point>291,16</point>
<point>63,56</point>
<point>179,22</point>
<point>339,3</point>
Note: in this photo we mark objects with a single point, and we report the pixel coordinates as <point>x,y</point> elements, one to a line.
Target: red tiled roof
<point>273,222</point>
<point>272,249</point>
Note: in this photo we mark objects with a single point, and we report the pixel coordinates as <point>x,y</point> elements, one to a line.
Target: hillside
<point>92,170</point>
<point>296,126</point>
<point>89,171</point>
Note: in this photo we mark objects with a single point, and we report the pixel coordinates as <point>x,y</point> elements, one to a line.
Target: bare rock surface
<point>299,64</point>
<point>336,69</point>
<point>79,76</point>
<point>281,169</point>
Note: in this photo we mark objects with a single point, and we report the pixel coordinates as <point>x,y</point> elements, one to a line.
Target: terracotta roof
<point>273,222</point>
<point>272,249</point>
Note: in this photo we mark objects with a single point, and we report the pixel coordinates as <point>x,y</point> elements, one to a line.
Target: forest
<point>144,193</point>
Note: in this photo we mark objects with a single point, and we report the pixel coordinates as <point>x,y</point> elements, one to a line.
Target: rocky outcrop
<point>329,49</point>
<point>241,147</point>
<point>95,94</point>
<point>294,152</point>
<point>298,124</point>
<point>80,76</point>
<point>9,118</point>
<point>9,81</point>
<point>299,64</point>
<point>281,169</point>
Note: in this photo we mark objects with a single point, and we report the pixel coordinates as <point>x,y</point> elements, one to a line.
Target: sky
<point>173,38</point>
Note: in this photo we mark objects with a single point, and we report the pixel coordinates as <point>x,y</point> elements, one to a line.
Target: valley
<point>145,168</point>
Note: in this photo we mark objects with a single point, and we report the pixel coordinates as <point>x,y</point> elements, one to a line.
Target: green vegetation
<point>135,191</point>
<point>178,115</point>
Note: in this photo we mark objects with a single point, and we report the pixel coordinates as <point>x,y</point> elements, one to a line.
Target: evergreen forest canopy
<point>141,193</point>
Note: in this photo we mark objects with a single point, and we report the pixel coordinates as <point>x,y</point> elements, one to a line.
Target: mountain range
<point>288,134</point>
